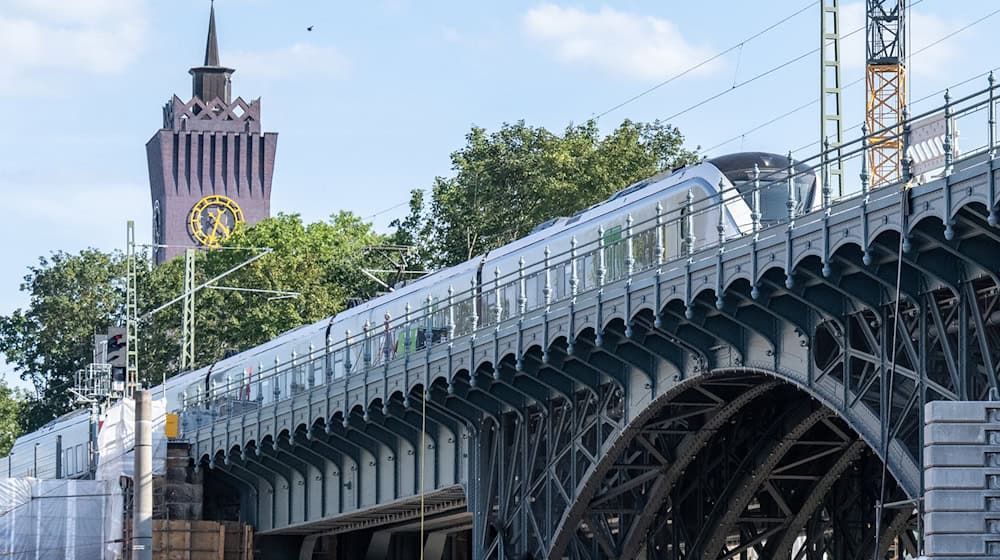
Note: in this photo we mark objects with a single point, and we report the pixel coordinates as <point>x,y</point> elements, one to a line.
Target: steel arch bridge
<point>737,403</point>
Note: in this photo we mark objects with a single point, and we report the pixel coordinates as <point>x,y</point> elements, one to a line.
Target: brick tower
<point>210,166</point>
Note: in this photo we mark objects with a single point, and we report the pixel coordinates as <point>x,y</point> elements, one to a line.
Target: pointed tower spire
<point>212,46</point>
<point>212,79</point>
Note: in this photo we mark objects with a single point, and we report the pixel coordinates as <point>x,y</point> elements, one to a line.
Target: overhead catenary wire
<point>860,80</point>
<point>704,62</point>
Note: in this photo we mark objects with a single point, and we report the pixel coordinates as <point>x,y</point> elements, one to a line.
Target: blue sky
<point>370,103</point>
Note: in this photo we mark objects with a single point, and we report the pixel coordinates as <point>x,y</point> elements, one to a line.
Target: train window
<point>673,239</point>
<point>614,254</point>
<point>533,291</point>
<point>589,277</point>
<point>81,457</point>
<point>338,363</point>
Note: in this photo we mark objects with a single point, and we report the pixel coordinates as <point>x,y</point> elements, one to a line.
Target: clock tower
<point>210,166</point>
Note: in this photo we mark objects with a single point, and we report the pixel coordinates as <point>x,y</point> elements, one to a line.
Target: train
<point>475,294</point>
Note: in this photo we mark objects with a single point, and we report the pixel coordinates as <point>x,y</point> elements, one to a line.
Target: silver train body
<point>369,334</point>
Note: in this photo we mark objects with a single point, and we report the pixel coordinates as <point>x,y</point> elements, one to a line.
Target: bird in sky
<point>310,28</point>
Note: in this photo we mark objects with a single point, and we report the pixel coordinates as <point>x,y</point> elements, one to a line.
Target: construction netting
<point>116,440</point>
<point>60,519</point>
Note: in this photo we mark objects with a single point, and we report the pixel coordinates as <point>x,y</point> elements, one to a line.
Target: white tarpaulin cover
<point>116,440</point>
<point>57,519</point>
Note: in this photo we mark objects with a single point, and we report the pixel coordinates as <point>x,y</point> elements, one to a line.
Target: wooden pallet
<point>199,540</point>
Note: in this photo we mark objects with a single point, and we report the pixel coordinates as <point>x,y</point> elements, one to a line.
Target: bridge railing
<point>559,278</point>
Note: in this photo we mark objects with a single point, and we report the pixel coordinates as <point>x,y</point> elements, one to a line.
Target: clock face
<point>213,219</point>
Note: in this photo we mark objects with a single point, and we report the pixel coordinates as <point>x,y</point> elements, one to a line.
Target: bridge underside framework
<point>736,404</point>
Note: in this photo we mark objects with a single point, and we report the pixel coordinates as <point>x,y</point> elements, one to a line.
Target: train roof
<point>72,417</point>
<point>430,279</point>
<point>738,166</point>
<point>635,191</point>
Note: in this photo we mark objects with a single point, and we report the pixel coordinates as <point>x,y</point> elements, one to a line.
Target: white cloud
<point>300,59</point>
<point>39,37</point>
<point>634,45</point>
<point>925,28</point>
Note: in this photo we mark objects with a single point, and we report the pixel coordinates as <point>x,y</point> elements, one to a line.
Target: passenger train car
<point>486,289</point>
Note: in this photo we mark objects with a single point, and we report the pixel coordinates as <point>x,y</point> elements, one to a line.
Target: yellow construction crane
<point>885,89</point>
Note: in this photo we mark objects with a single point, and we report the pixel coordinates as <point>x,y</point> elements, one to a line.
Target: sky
<point>371,102</point>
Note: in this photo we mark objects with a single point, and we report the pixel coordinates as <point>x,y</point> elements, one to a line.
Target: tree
<point>12,410</point>
<point>74,296</point>
<point>511,180</point>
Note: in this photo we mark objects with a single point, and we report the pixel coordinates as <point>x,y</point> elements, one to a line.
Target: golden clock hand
<point>220,213</point>
<point>218,223</point>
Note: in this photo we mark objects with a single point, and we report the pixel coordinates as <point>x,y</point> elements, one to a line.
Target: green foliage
<point>511,180</point>
<point>74,296</point>
<point>13,406</point>
<point>322,261</point>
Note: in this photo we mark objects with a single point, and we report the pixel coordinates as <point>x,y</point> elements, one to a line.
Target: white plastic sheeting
<point>56,519</point>
<point>116,441</point>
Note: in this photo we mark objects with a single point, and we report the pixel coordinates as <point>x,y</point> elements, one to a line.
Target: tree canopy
<point>12,409</point>
<point>507,182</point>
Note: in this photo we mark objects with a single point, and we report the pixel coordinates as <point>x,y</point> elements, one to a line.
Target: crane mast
<point>885,47</point>
<point>831,127</point>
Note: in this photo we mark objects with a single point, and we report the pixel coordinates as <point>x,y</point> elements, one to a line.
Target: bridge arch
<point>706,406</point>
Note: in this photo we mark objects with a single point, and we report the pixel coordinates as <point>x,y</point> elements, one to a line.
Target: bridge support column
<point>962,479</point>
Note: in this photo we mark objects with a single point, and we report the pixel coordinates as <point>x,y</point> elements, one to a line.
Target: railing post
<point>522,296</point>
<point>755,200</point>
<point>755,230</point>
<point>790,202</point>
<point>689,238</point>
<point>949,156</point>
<point>790,208</point>
<point>865,176</point>
<point>277,382</point>
<point>629,255</point>
<point>720,229</point>
<point>826,173</point>
<point>547,288</point>
<point>387,350</point>
<point>407,335</point>
<point>992,112</point>
<point>601,264</point>
<point>451,313</point>
<point>367,350</point>
<point>574,279</point>
<point>429,323</point>
<point>660,249</point>
<point>907,174</point>
<point>991,217</point>
<point>475,308</point>
<point>498,293</point>
<point>347,352</point>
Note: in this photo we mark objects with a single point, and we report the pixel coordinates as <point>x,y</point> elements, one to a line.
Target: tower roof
<point>212,45</point>
<point>211,80</point>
